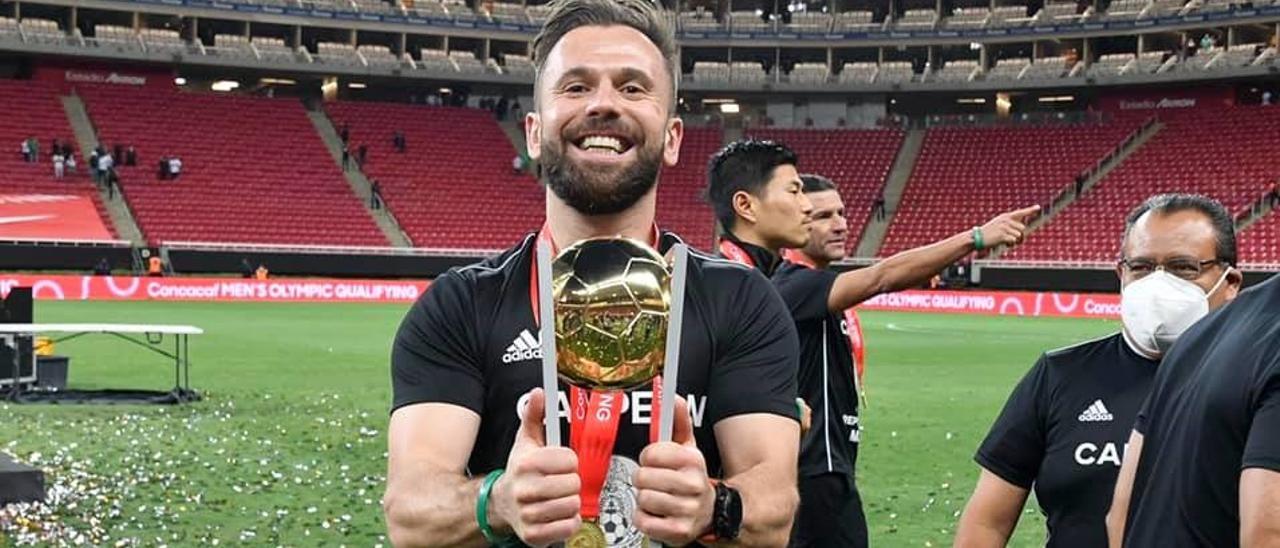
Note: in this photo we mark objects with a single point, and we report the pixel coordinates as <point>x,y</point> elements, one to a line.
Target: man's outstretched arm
<point>914,267</point>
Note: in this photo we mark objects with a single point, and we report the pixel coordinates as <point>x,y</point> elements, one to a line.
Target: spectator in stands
<point>261,273</point>
<point>375,194</point>
<point>59,164</point>
<point>398,142</point>
<point>1080,184</point>
<point>106,163</point>
<point>117,152</point>
<point>1266,98</point>
<point>346,158</point>
<point>518,164</point>
<point>1206,43</point>
<point>500,109</point>
<point>26,150</point>
<point>515,110</point>
<point>130,156</point>
<point>55,148</point>
<point>878,207</point>
<point>362,154</point>
<point>103,268</point>
<point>35,150</point>
<point>94,155</point>
<point>246,269</point>
<point>175,167</point>
<point>344,133</point>
<point>71,160</point>
<point>162,168</point>
<point>113,180</point>
<point>1273,199</point>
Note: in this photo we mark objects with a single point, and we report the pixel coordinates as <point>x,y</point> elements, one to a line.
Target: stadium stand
<point>699,20</point>
<point>538,14</point>
<point>968,18</point>
<point>1260,242</point>
<point>517,65</point>
<point>809,73</point>
<point>918,19</point>
<point>895,72</point>
<point>681,207</point>
<point>436,60</point>
<point>243,181</point>
<point>959,70</point>
<point>502,12</point>
<point>965,176</point>
<point>710,71</point>
<point>1009,69</point>
<point>163,41</point>
<point>454,187</point>
<point>1009,16</point>
<point>748,72</point>
<point>809,22</point>
<point>1124,10</point>
<point>1047,68</point>
<point>1061,13</point>
<point>273,49</point>
<point>375,55</point>
<point>117,37</point>
<point>855,21</point>
<point>747,21</point>
<point>1224,153</point>
<point>859,73</point>
<point>332,53</point>
<point>858,161</point>
<point>32,109</point>
<point>1113,64</point>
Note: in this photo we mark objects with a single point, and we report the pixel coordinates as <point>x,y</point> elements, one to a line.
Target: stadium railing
<point>329,249</point>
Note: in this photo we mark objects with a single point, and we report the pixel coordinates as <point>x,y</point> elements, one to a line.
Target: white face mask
<point>1158,308</point>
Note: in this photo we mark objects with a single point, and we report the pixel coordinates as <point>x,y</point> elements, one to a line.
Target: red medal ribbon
<point>735,253</point>
<point>594,415</point>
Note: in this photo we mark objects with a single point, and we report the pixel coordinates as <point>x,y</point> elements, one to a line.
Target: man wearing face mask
<point>1063,429</point>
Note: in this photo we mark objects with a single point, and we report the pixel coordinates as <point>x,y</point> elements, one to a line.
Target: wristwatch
<point>726,515</point>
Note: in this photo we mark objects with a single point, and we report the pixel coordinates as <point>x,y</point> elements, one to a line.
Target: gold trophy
<point>608,311</point>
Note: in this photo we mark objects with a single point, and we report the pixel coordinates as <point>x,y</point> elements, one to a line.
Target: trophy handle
<point>547,332</point>
<point>675,321</point>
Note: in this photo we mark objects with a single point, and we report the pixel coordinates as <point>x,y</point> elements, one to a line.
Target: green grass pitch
<point>288,447</point>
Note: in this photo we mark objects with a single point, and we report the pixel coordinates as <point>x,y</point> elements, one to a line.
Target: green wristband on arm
<point>482,509</point>
<point>977,239</point>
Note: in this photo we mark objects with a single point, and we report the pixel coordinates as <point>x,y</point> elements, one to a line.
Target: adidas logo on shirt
<point>525,347</point>
<point>1096,412</point>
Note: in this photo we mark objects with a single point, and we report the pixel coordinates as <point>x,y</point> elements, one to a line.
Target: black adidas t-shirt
<point>826,370</point>
<point>1063,432</point>
<point>1214,411</point>
<point>467,342</point>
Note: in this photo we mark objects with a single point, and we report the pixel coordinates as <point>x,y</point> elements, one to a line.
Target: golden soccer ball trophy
<point>611,302</point>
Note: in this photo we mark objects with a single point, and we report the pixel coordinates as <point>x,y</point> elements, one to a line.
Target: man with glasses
<point>1064,428</point>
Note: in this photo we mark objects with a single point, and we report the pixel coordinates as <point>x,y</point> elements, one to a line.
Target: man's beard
<point>599,192</point>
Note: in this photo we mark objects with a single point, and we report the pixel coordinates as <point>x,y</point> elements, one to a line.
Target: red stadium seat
<point>253,170</point>
<point>1224,153</point>
<point>965,175</point>
<point>32,109</point>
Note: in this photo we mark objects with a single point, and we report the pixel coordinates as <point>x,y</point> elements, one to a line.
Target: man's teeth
<point>601,142</point>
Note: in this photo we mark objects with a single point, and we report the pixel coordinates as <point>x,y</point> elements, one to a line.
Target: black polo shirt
<point>1214,411</point>
<point>1063,432</point>
<point>471,340</point>
<point>826,377</point>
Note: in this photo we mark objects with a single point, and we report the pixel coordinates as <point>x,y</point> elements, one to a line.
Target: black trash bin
<point>51,372</point>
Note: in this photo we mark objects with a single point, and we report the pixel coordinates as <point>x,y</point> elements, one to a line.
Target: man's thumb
<point>682,428</point>
<point>532,427</point>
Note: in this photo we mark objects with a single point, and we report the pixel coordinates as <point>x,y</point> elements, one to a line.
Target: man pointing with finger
<point>468,464</point>
<point>791,227</point>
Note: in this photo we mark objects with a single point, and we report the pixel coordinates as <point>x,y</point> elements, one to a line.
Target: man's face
<point>1182,237</point>
<point>603,126</point>
<point>781,211</point>
<point>828,227</point>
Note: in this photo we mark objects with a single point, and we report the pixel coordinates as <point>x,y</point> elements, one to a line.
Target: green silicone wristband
<point>482,508</point>
<point>977,238</point>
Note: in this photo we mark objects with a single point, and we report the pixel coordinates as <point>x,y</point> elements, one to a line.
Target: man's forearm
<point>437,512</point>
<point>904,270</point>
<point>913,267</point>
<point>769,499</point>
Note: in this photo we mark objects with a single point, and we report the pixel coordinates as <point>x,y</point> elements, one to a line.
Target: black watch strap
<point>726,518</point>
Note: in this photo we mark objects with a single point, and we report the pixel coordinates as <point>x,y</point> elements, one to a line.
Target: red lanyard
<point>593,414</point>
<point>734,252</point>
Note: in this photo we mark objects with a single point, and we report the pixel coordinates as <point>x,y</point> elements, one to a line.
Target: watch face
<point>728,512</point>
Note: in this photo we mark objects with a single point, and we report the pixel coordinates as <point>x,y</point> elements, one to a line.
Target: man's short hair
<point>1223,226</point>
<point>744,165</point>
<point>641,15</point>
<point>816,183</point>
